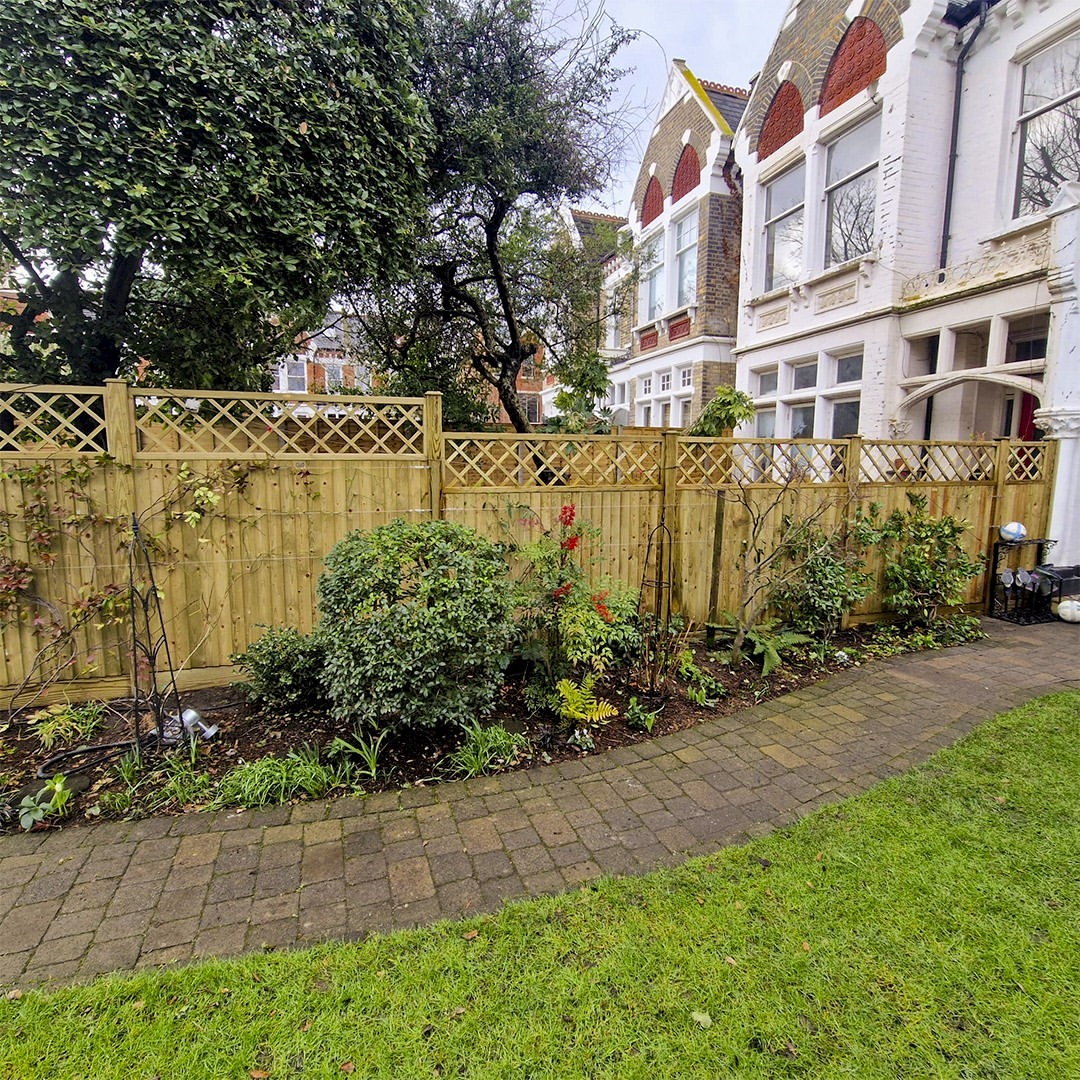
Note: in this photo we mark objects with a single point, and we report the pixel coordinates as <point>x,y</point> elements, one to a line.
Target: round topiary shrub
<point>415,625</point>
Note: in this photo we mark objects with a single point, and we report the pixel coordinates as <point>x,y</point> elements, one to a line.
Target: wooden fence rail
<point>242,495</point>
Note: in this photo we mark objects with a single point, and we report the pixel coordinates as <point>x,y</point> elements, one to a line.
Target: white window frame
<point>1031,115</point>
<point>686,294</point>
<point>834,189</point>
<point>686,378</point>
<point>651,290</point>
<point>665,382</point>
<point>289,377</point>
<point>773,221</point>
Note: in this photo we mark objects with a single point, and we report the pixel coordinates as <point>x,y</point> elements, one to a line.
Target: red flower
<point>570,543</point>
<point>566,515</point>
<point>562,591</point>
<point>601,607</point>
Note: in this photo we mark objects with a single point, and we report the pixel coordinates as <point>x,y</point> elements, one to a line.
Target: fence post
<point>120,439</point>
<point>853,465</point>
<point>1002,454</point>
<point>669,509</point>
<point>433,451</point>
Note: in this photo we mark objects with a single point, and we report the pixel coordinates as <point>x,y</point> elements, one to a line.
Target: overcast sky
<point>725,41</point>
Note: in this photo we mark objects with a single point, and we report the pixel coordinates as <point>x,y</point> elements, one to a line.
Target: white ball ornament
<point>1012,531</point>
<point>1069,610</point>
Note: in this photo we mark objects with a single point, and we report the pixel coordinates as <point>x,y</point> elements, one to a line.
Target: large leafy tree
<point>520,101</point>
<point>189,181</point>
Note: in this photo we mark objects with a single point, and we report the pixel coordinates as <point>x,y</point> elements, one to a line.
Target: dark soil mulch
<point>246,733</point>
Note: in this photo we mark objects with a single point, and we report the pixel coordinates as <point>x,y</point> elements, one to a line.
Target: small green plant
<point>62,725</point>
<point>284,670</point>
<point>927,568</point>
<point>184,785</point>
<point>582,739</point>
<point>663,642</point>
<point>486,750</point>
<point>53,800</point>
<point>702,688</point>
<point>270,780</point>
<point>579,705</point>
<point>365,749</point>
<point>117,803</point>
<point>638,717</point>
<point>769,642</point>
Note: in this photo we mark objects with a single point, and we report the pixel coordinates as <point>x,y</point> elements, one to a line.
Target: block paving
<point>118,896</point>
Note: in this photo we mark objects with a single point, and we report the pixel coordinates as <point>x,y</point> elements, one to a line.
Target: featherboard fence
<point>240,496</point>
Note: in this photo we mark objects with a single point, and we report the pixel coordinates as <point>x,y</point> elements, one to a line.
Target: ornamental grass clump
<point>415,625</point>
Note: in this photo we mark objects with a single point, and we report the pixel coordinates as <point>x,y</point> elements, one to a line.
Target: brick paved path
<point>124,895</point>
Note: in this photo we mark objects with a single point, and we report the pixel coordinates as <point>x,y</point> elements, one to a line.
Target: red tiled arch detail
<point>783,121</point>
<point>687,174</point>
<point>859,60</point>
<point>653,204</point>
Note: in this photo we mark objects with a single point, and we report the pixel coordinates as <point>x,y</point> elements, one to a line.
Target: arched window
<point>653,205</point>
<point>783,121</point>
<point>859,60</point>
<point>687,174</point>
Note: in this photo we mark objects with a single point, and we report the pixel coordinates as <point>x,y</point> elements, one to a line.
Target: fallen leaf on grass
<point>348,1067</point>
<point>305,1026</point>
<point>14,995</point>
<point>703,1020</point>
<point>806,946</point>
<point>471,935</point>
<point>258,1074</point>
<point>731,960</point>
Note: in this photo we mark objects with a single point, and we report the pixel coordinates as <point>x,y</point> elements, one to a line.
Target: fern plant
<point>579,705</point>
<point>770,643</point>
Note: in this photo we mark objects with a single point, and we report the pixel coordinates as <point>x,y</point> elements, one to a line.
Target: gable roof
<point>597,232</point>
<point>729,101</point>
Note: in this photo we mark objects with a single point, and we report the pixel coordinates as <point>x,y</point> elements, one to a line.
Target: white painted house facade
<point>911,230</point>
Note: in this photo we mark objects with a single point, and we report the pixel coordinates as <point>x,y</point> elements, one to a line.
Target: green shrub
<point>284,670</point>
<point>926,567</point>
<point>829,576</point>
<point>415,624</point>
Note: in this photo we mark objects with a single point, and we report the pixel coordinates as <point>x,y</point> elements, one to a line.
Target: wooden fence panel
<point>241,496</point>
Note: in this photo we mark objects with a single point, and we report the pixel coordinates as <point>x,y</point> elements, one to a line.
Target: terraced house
<point>911,240</point>
<point>672,345</point>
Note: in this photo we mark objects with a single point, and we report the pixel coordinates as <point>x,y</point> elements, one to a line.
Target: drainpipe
<point>958,89</point>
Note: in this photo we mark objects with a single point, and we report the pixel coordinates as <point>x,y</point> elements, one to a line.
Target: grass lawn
<point>926,929</point>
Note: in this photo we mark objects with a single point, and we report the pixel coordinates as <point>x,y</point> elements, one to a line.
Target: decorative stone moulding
<point>1059,423</point>
<point>1011,259</point>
